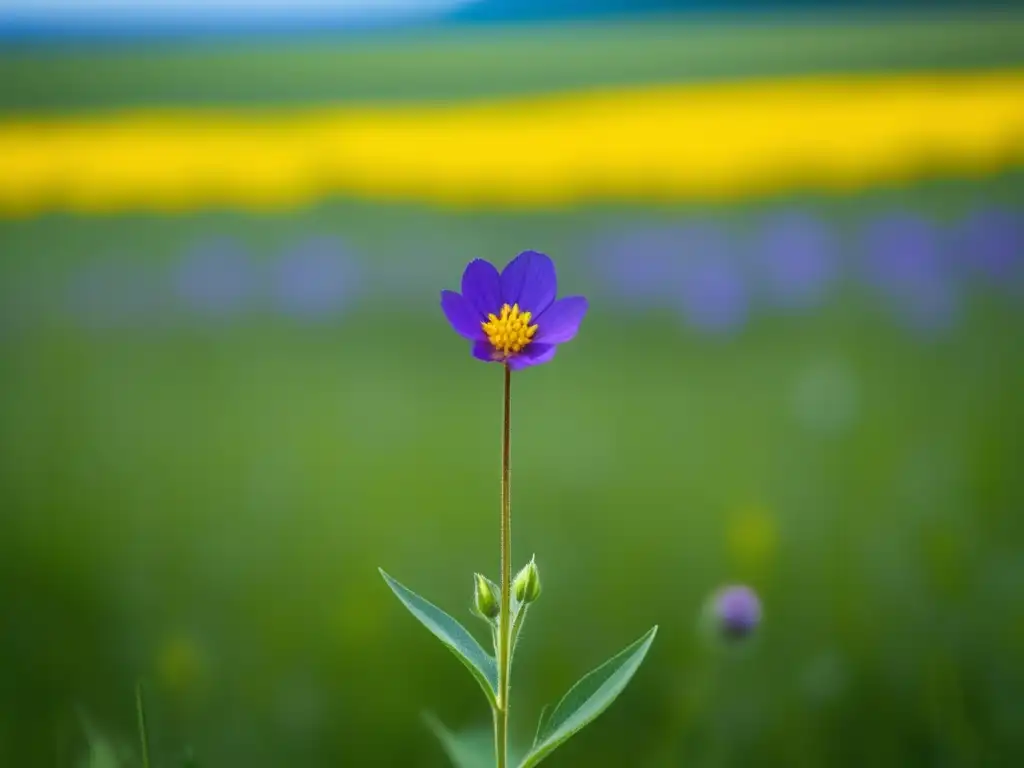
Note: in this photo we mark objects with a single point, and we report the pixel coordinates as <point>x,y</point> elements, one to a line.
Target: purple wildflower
<point>796,258</point>
<point>641,266</point>
<point>313,279</point>
<point>216,278</point>
<point>736,610</point>
<point>512,317</point>
<point>712,294</point>
<point>907,264</point>
<point>991,240</point>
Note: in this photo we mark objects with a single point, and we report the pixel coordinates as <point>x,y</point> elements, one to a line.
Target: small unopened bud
<point>526,586</point>
<point>736,611</point>
<point>485,602</point>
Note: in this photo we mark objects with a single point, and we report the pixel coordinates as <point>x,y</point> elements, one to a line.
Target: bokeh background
<point>227,392</point>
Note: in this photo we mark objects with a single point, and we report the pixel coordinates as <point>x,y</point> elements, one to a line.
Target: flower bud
<point>736,611</point>
<point>526,585</point>
<point>485,602</point>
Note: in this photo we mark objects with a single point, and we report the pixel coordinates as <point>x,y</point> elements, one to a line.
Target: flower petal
<point>534,354</point>
<point>482,350</point>
<point>560,323</point>
<point>481,287</point>
<point>463,318</point>
<point>529,280</point>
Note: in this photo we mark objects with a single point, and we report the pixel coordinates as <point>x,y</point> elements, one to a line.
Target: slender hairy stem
<point>143,734</point>
<point>505,618</point>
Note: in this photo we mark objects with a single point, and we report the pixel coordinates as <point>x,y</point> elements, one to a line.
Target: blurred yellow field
<point>725,141</point>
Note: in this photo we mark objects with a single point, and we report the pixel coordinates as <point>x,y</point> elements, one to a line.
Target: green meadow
<point>201,499</point>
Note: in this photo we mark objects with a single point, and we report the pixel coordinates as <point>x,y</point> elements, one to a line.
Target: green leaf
<point>459,641</point>
<point>471,749</point>
<point>591,696</point>
<point>102,752</point>
<point>542,723</point>
<point>103,755</point>
<point>518,619</point>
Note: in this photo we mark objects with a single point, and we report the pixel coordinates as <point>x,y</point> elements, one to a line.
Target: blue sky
<point>116,10</point>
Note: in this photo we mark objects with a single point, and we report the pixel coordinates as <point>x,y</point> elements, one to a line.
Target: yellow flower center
<point>510,331</point>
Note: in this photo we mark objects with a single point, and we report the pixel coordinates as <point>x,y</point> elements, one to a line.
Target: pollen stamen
<point>510,331</point>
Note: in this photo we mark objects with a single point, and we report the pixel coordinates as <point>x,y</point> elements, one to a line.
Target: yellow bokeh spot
<point>179,663</point>
<point>510,331</point>
<point>752,537</point>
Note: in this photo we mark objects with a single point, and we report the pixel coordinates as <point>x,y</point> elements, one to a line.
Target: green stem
<point>143,734</point>
<point>504,619</point>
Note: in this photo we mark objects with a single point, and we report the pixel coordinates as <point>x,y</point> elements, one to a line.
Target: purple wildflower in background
<point>216,278</point>
<point>640,266</point>
<point>690,267</point>
<point>313,279</point>
<point>795,257</point>
<point>736,611</point>
<point>905,262</point>
<point>991,243</point>
<point>512,317</point>
<point>712,293</point>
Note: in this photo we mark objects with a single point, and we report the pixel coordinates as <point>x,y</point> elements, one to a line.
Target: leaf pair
<point>584,702</point>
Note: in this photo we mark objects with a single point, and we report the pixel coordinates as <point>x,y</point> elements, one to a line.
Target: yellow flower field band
<point>705,142</point>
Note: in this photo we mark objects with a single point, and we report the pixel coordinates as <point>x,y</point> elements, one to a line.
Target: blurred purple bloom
<point>643,265</point>
<point>691,267</point>
<point>513,317</point>
<point>991,243</point>
<point>313,279</point>
<point>216,278</point>
<point>736,610</point>
<point>906,264</point>
<point>902,250</point>
<point>796,258</point>
<point>712,292</point>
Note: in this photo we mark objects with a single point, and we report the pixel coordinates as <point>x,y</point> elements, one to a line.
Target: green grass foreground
<point>205,505</point>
